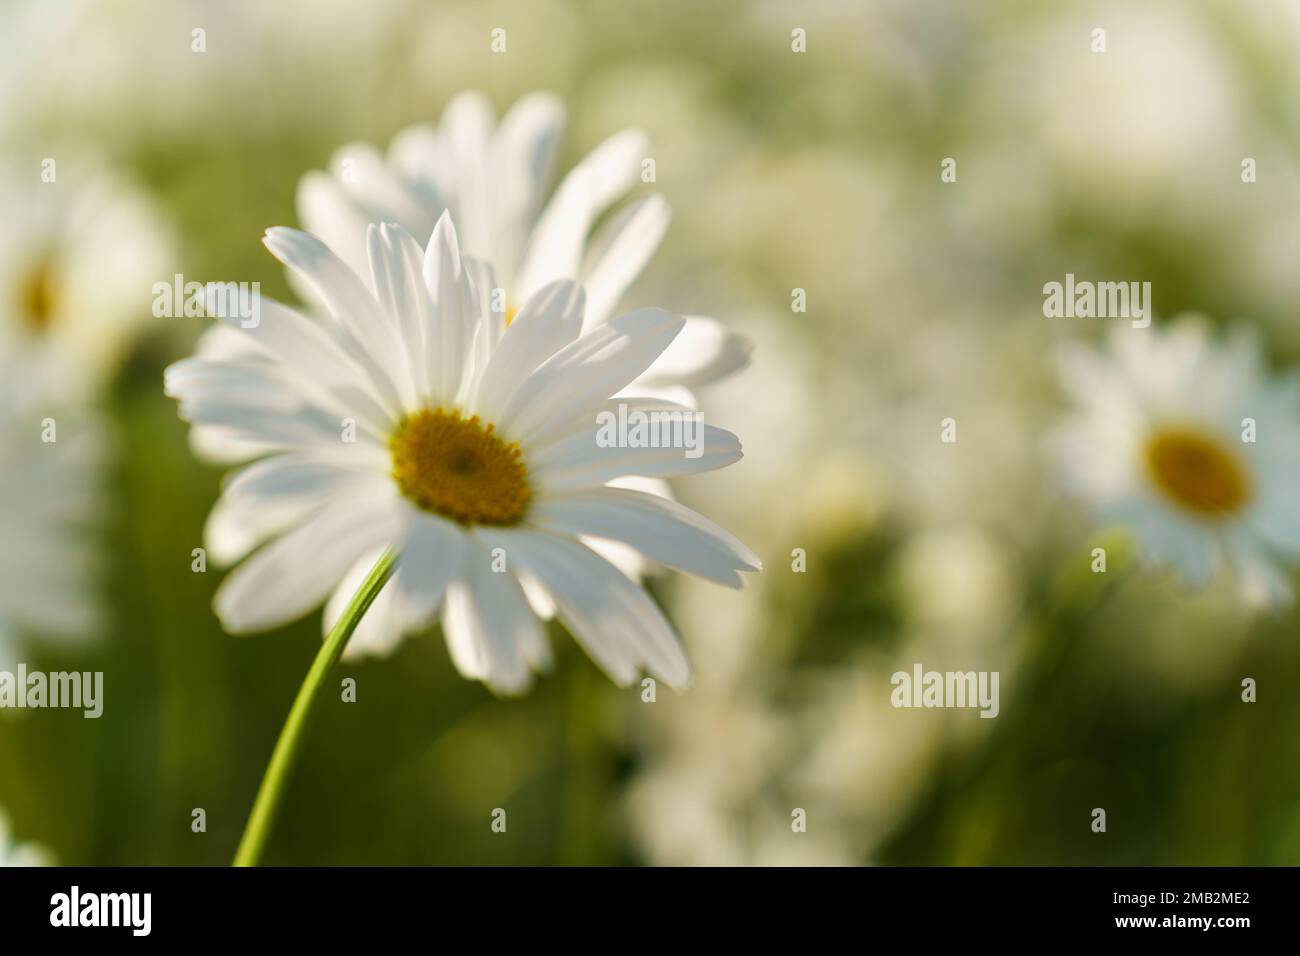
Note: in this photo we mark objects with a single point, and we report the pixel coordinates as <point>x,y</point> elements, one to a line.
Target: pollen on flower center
<point>1198,472</point>
<point>460,468</point>
<point>37,296</point>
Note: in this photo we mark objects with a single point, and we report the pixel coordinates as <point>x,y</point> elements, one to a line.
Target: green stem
<point>286,748</point>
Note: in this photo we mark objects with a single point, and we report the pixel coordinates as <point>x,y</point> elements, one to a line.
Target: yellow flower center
<point>38,298</point>
<point>1198,472</point>
<point>511,312</point>
<point>460,468</point>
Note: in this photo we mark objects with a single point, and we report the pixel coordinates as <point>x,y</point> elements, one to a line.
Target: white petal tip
<point>680,685</point>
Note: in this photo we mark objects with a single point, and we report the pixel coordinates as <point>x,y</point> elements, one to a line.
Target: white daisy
<point>49,465</point>
<point>470,436</point>
<point>78,261</point>
<point>13,853</point>
<point>493,178</point>
<point>1191,444</point>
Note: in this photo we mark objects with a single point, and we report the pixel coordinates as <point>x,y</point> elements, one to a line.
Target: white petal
<point>451,335</point>
<point>1167,538</point>
<point>620,251</point>
<point>576,381</point>
<point>309,352</point>
<point>396,268</point>
<point>669,395</point>
<point>556,247</point>
<point>580,461</point>
<point>490,629</point>
<point>705,352</point>
<point>635,566</point>
<point>225,446</point>
<point>293,574</point>
<point>269,497</point>
<point>383,193</point>
<point>418,156</point>
<point>538,599</point>
<point>524,147</point>
<point>466,130</point>
<point>620,404</point>
<point>431,551</point>
<point>662,530</point>
<point>614,620</point>
<point>651,486</point>
<point>220,342</point>
<point>433,554</point>
<point>255,403</point>
<point>328,211</point>
<point>346,296</point>
<point>492,320</point>
<point>549,320</point>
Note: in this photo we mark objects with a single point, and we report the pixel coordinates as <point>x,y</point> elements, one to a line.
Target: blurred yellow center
<point>511,312</point>
<point>1198,472</point>
<point>460,468</point>
<point>37,296</point>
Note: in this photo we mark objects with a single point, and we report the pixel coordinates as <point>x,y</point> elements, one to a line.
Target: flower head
<point>1194,446</point>
<point>409,416</point>
<point>78,258</point>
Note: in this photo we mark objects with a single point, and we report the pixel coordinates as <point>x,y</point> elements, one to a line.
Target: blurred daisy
<point>78,261</point>
<point>1194,446</point>
<point>493,177</point>
<point>49,465</point>
<point>13,853</point>
<point>412,418</point>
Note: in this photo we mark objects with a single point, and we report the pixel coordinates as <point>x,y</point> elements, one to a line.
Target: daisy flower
<point>1194,446</point>
<point>13,853</point>
<point>78,262</point>
<point>410,419</point>
<point>49,462</point>
<point>493,177</point>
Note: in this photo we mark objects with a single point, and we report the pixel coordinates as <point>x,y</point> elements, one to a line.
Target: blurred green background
<point>817,171</point>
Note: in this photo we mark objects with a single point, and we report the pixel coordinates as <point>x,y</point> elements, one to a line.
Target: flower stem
<point>286,748</point>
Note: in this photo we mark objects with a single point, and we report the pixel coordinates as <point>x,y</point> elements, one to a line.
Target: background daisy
<point>79,258</point>
<point>1194,446</point>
